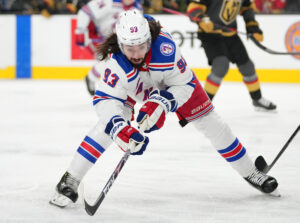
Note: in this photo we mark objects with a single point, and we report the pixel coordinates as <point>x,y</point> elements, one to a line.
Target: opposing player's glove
<point>206,25</point>
<point>126,136</point>
<point>152,115</point>
<point>254,30</point>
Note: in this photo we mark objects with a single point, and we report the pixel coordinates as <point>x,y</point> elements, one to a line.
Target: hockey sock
<point>87,154</point>
<point>223,140</point>
<point>211,88</point>
<point>253,88</point>
<point>238,158</point>
<point>250,79</point>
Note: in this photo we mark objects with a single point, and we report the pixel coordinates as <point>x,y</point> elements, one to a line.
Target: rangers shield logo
<point>167,49</point>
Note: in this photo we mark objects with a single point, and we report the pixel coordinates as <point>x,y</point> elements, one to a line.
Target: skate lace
<point>264,102</point>
<point>257,177</point>
<point>71,182</point>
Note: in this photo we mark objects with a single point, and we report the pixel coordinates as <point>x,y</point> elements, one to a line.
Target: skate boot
<point>66,191</point>
<point>263,104</point>
<point>261,181</point>
<point>90,84</point>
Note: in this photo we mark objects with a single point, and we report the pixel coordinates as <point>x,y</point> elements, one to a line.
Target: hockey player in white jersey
<point>95,22</point>
<point>141,62</point>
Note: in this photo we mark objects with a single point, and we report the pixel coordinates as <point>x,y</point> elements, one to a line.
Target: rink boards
<point>41,48</point>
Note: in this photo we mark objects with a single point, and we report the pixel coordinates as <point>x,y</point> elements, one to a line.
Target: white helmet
<point>132,28</point>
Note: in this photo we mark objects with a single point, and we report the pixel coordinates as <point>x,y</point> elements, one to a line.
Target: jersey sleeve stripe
<point>101,96</point>
<point>132,75</point>
<point>89,12</point>
<point>167,35</point>
<point>161,66</point>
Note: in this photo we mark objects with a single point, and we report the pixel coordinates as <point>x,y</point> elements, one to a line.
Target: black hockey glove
<point>254,30</point>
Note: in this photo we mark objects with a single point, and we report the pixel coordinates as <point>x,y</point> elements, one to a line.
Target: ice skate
<point>66,191</point>
<point>90,84</point>
<point>263,104</point>
<point>262,182</point>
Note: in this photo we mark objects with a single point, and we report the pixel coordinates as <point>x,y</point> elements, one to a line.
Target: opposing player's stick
<point>91,209</point>
<point>258,44</point>
<point>261,163</point>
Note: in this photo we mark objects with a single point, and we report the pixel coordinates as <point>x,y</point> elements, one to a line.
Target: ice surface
<point>180,178</point>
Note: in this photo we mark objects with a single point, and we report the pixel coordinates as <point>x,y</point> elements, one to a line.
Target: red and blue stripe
<point>161,66</point>
<point>233,152</point>
<point>201,113</point>
<point>101,96</point>
<point>88,11</point>
<point>90,149</point>
<point>132,75</point>
<point>165,34</point>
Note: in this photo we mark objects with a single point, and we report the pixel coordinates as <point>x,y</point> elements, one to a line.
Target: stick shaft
<point>284,147</point>
<point>91,209</point>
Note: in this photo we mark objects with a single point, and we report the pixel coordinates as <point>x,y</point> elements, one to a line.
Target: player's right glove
<point>254,30</point>
<point>126,136</point>
<point>152,115</point>
<point>206,25</point>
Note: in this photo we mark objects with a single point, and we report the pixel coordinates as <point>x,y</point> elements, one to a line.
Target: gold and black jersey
<point>223,13</point>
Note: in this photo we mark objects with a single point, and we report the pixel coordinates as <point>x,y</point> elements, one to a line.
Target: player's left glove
<point>254,30</point>
<point>152,115</point>
<point>206,25</point>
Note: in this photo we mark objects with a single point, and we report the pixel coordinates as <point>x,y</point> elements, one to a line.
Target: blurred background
<point>37,39</point>
<point>50,7</point>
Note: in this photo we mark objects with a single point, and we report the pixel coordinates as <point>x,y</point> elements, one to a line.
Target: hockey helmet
<point>132,28</point>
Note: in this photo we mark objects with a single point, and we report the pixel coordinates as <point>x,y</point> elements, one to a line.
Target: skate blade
<point>60,200</point>
<point>275,193</point>
<point>260,109</point>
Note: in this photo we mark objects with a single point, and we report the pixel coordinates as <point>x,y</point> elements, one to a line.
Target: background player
<point>95,21</point>
<point>222,45</point>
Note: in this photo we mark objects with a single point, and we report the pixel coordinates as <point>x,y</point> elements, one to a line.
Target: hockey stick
<point>269,50</point>
<point>261,163</point>
<point>91,209</point>
<point>258,44</point>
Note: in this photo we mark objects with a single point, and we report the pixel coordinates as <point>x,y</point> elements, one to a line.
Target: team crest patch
<point>292,39</point>
<point>167,49</point>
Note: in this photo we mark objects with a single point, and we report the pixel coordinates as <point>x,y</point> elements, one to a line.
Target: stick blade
<point>90,209</point>
<point>261,164</point>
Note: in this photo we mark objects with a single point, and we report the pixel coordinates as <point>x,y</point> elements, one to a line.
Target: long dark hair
<point>110,45</point>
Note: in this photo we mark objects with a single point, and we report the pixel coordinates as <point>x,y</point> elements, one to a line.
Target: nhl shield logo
<point>167,49</point>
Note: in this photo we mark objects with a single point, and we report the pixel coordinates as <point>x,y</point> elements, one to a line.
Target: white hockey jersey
<point>103,15</point>
<point>164,68</point>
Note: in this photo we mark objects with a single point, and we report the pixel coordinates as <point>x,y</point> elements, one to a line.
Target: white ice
<point>179,179</point>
